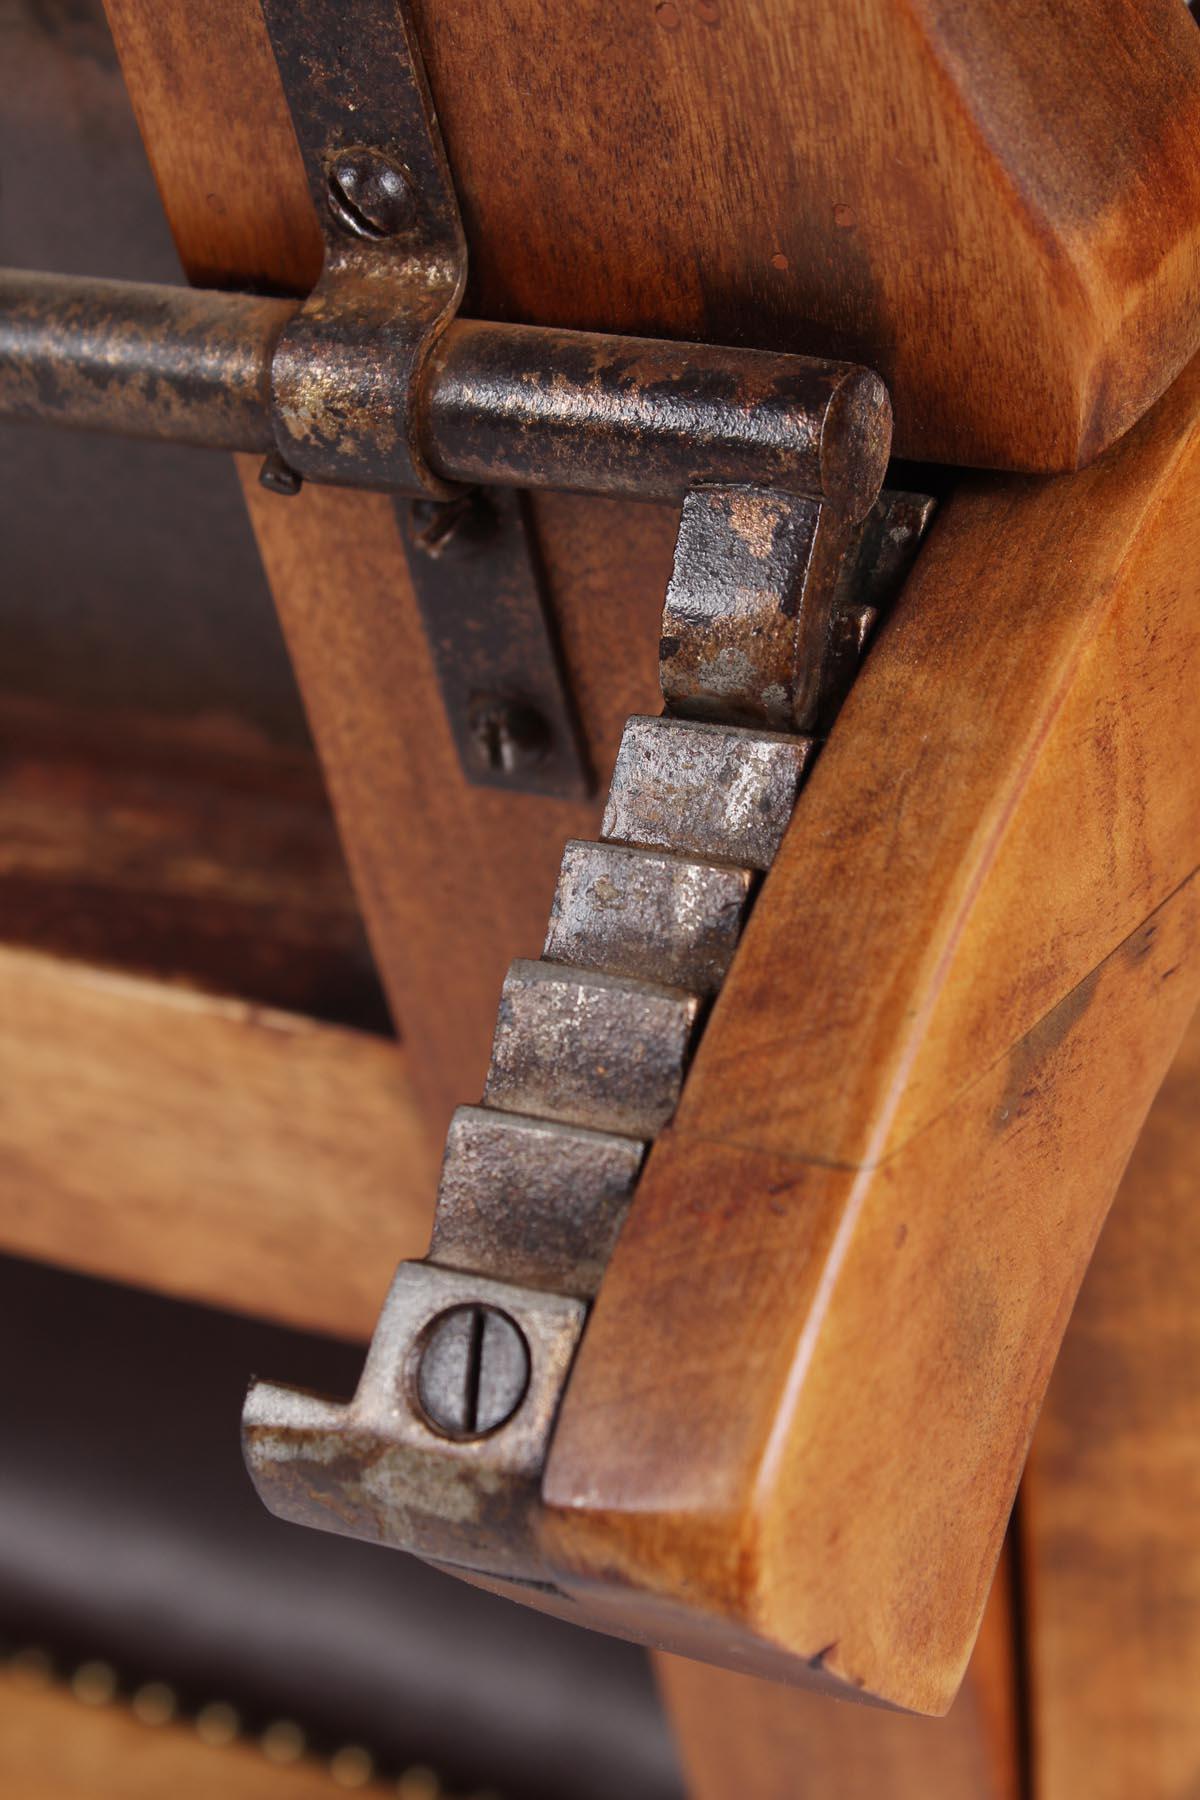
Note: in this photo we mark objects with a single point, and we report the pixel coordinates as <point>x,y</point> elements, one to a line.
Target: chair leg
<point>1111,1509</point>
<point>760,1741</point>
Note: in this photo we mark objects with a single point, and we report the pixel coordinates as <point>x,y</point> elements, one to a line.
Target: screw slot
<point>472,1371</point>
<point>369,194</point>
<point>508,736</point>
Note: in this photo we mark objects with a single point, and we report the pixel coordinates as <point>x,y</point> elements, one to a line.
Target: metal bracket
<point>348,374</point>
<point>395,253</point>
<point>478,583</point>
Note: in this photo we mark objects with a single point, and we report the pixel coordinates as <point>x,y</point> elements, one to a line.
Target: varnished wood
<point>454,882</point>
<point>206,1148</point>
<point>804,1398</point>
<point>760,1740</point>
<point>52,1747</point>
<point>996,205</point>
<point>1111,1500</point>
<point>192,850</point>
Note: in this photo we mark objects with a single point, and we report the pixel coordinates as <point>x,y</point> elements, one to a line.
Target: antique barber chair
<point>729,481</point>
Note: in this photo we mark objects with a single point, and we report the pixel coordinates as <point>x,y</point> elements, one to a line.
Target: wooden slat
<point>173,849</point>
<point>54,1748</point>
<point>1111,1501</point>
<point>805,1394</point>
<point>760,1740</point>
<point>205,1148</point>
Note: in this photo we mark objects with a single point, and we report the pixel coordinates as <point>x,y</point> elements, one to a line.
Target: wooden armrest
<point>803,1402</point>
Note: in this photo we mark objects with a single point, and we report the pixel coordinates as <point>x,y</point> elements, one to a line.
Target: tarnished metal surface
<point>351,385</point>
<point>508,402</point>
<point>747,618</point>
<point>590,1049</point>
<point>478,584</point>
<point>772,599</point>
<point>872,573</point>
<point>183,366</point>
<point>376,1469</point>
<point>472,1371</point>
<point>347,372</point>
<point>648,914</point>
<point>532,1201</point>
<point>705,790</point>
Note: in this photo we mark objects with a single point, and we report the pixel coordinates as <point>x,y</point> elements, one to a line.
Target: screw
<point>369,194</point>
<point>452,526</point>
<point>276,477</point>
<point>473,1371</point>
<point>507,735</point>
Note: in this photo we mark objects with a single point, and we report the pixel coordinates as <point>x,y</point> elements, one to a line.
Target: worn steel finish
<point>355,402</point>
<point>747,618</point>
<point>472,1371</point>
<point>590,1049</point>
<point>181,366</point>
<point>508,402</point>
<point>880,555</point>
<point>532,1201</point>
<point>772,599</point>
<point>477,580</point>
<point>705,790</point>
<point>377,1469</point>
<point>347,374</point>
<point>647,913</point>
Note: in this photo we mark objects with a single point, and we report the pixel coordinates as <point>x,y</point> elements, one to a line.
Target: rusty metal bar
<point>510,405</point>
<point>182,365</point>
<point>648,420</point>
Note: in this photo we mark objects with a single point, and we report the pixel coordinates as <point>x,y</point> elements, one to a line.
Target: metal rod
<point>513,405</point>
<point>182,365</point>
<point>649,420</point>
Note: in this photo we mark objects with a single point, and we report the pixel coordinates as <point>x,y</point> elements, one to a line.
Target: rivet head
<point>472,1371</point>
<point>369,194</point>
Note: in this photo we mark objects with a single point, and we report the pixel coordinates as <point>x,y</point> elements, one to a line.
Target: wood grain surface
<point>193,850</point>
<point>804,1399</point>
<point>206,1148</point>
<point>1111,1500</point>
<point>927,216</point>
<point>997,205</point>
<point>760,1740</point>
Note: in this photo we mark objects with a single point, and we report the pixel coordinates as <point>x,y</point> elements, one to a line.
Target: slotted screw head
<point>507,735</point>
<point>369,194</point>
<point>472,1372</point>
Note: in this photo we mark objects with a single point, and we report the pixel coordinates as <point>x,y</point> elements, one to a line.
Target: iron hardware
<point>786,556</point>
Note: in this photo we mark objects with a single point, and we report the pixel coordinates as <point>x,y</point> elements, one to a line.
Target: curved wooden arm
<point>803,1402</point>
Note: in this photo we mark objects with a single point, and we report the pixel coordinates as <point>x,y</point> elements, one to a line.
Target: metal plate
<point>477,581</point>
<point>375,1469</point>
